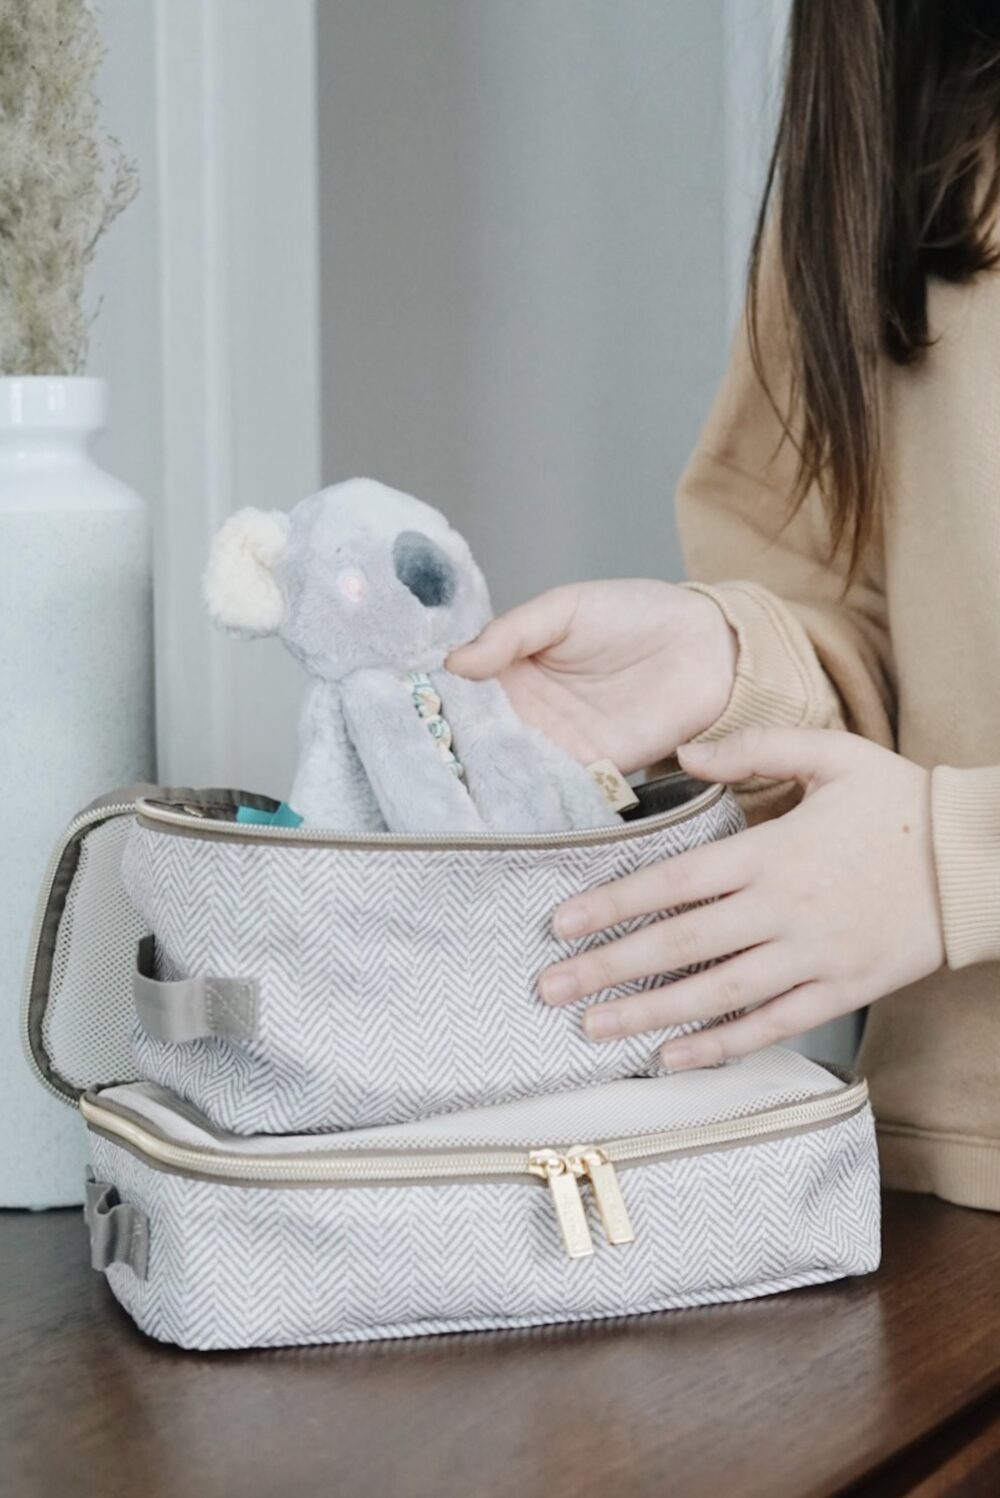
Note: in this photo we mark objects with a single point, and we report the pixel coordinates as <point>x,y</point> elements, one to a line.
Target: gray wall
<point>523,238</point>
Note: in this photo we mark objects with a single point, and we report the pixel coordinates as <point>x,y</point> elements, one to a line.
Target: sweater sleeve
<point>965,824</point>
<point>813,652</point>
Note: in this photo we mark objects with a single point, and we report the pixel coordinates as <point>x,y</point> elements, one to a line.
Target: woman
<point>849,478</point>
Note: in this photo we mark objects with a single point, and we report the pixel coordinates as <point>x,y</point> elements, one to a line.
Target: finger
<point>793,1012</point>
<point>667,946</point>
<point>720,868</point>
<point>751,977</point>
<point>807,755</point>
<point>525,630</point>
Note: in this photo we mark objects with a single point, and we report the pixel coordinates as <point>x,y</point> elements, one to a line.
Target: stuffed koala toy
<point>371,589</point>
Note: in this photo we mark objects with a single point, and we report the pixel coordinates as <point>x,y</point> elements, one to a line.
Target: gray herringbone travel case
<point>628,1196</point>
<point>664,1192</point>
<point>310,981</point>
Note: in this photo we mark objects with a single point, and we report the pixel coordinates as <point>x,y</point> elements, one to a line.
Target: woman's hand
<point>622,670</point>
<point>826,909</point>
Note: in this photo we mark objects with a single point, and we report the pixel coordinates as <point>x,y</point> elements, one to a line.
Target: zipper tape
<point>187,822</point>
<point>356,1167</point>
<point>563,1171</point>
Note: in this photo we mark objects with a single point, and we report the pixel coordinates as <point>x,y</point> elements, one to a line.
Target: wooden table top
<point>884,1385</point>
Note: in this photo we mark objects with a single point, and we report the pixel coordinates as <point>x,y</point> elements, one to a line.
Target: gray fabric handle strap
<point>193,1008</point>
<point>119,1231</point>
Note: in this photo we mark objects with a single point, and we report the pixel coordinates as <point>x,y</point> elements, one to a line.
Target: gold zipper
<point>592,1163</point>
<point>187,821</point>
<point>558,1174</point>
<point>561,1167</point>
<point>562,1172</point>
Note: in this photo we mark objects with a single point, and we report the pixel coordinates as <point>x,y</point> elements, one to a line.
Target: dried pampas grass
<point>63,181</point>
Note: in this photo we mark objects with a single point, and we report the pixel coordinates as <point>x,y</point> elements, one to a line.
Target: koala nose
<point>422,567</point>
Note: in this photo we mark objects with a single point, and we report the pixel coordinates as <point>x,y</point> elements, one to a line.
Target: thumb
<point>525,630</point>
<point>809,756</point>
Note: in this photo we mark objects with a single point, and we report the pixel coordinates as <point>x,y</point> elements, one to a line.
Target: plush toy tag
<point>607,777</point>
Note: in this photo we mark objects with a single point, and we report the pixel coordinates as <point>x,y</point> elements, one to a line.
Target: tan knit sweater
<point>910,657</point>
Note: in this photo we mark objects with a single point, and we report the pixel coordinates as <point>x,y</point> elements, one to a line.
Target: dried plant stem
<point>63,182</point>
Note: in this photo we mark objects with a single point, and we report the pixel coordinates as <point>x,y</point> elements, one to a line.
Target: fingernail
<point>601,1024</point>
<point>570,920</point>
<point>697,750</point>
<point>676,1056</point>
<point>558,988</point>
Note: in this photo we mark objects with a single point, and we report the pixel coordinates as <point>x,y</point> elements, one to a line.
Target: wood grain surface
<point>885,1385</point>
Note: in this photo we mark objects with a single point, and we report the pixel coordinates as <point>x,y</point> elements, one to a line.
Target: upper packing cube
<point>299,981</point>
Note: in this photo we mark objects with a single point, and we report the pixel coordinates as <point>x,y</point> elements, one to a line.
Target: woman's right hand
<point>623,670</point>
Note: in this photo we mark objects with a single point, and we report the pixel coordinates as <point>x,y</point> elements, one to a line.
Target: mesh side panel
<point>88,1019</point>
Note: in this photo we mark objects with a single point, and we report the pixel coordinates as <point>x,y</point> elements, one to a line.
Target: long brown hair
<point>885,171</point>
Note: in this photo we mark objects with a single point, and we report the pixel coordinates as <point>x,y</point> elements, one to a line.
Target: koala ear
<point>239,585</point>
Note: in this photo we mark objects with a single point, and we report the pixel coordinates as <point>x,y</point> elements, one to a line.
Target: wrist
<point>727,654</point>
<point>714,659</point>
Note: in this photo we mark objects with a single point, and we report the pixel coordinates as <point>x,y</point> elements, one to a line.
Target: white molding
<point>753,42</point>
<point>239,278</point>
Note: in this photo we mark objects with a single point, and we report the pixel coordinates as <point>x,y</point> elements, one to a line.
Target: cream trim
<point>961,1168</point>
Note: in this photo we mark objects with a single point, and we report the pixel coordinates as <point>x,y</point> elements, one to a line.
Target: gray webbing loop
<point>119,1231</point>
<point>193,1008</point>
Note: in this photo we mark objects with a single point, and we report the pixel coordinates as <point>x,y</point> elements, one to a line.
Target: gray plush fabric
<point>364,584</point>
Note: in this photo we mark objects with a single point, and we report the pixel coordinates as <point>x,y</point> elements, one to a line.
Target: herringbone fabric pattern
<point>395,983</point>
<point>236,1266</point>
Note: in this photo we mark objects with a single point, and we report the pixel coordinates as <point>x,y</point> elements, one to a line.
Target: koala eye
<point>353,585</point>
<point>422,567</point>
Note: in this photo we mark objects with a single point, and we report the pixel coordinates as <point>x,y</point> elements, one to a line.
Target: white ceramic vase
<point>76,708</point>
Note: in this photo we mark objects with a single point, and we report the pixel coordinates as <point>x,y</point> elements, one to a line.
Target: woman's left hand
<point>816,913</point>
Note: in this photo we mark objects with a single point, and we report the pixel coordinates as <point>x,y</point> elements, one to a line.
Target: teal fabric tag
<point>283,817</point>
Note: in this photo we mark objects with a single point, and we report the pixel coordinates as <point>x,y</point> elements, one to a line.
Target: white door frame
<point>239,280</point>
<point>753,41</point>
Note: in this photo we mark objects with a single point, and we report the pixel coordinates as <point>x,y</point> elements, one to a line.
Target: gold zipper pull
<point>593,1162</point>
<point>558,1175</point>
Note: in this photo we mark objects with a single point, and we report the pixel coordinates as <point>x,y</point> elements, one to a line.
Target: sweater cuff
<point>965,820</point>
<point>779,680</point>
